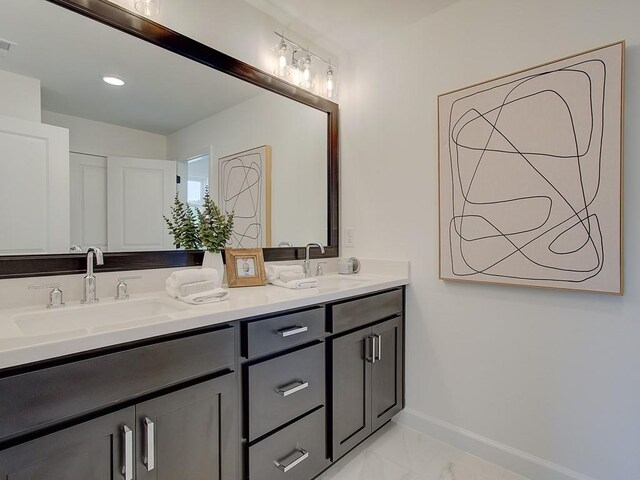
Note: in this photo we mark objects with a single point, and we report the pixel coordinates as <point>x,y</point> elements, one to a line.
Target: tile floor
<point>398,453</point>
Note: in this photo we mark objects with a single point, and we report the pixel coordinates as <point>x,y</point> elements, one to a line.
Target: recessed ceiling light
<point>113,80</point>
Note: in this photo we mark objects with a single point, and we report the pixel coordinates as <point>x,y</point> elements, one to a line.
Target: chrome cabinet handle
<point>150,444</point>
<point>374,348</point>
<point>378,353</point>
<point>127,467</point>
<point>289,331</point>
<point>296,458</point>
<point>292,388</point>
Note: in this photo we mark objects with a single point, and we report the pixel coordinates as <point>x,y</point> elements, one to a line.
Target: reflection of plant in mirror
<point>183,226</point>
<point>215,226</point>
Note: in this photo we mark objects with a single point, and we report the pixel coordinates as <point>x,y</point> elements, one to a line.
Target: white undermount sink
<point>94,317</point>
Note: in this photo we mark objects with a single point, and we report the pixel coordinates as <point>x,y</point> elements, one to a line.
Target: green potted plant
<point>183,225</point>
<point>215,229</point>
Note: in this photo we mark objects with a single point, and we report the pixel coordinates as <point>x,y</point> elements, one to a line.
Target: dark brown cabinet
<point>94,450</point>
<point>190,434</point>
<point>367,389</point>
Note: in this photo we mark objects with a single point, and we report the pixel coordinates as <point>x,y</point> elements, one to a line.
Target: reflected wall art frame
<point>530,176</point>
<point>244,187</point>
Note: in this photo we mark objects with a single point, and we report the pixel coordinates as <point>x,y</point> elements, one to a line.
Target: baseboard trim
<point>530,466</point>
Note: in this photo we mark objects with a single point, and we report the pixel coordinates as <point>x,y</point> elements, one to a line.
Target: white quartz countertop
<point>32,334</point>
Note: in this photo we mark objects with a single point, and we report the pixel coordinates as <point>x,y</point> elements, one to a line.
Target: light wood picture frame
<point>245,267</point>
<point>530,176</point>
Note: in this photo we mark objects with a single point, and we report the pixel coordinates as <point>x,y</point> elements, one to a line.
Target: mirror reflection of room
<point>96,143</point>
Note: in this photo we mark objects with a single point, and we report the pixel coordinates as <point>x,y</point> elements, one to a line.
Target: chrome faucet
<point>306,266</point>
<point>89,280</point>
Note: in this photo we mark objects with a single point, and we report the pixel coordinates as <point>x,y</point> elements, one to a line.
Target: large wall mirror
<point>89,163</point>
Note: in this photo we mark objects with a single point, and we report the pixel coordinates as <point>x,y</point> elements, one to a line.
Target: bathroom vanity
<point>280,394</point>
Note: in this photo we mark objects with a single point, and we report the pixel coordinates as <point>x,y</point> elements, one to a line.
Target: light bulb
<point>306,73</point>
<point>148,8</point>
<point>282,59</point>
<point>330,81</point>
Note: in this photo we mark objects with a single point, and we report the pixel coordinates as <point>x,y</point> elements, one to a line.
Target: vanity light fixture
<point>148,8</point>
<point>299,63</point>
<point>113,80</point>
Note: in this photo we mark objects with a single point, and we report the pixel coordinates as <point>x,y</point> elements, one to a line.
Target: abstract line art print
<point>244,187</point>
<point>530,176</point>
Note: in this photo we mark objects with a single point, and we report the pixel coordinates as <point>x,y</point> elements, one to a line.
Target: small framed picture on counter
<point>245,267</point>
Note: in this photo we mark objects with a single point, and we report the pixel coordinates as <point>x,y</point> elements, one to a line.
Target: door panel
<point>88,191</point>
<point>140,192</point>
<point>351,392</point>
<point>191,434</point>
<point>90,451</point>
<point>387,372</point>
<point>34,188</point>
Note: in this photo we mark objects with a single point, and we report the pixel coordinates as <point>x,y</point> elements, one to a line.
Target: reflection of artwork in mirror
<point>245,189</point>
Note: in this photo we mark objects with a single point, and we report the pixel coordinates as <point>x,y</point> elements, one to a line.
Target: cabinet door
<point>94,450</point>
<point>387,372</point>
<point>351,416</point>
<point>190,434</point>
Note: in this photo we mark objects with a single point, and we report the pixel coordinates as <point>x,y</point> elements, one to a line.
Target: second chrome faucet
<point>89,280</point>
<point>306,266</point>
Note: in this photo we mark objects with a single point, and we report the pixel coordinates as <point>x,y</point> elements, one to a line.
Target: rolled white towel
<point>274,271</point>
<point>193,275</point>
<point>297,284</point>
<point>184,277</point>
<point>209,296</point>
<point>288,276</point>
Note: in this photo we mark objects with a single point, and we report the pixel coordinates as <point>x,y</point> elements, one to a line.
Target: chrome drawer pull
<point>297,457</point>
<point>292,388</point>
<point>289,331</point>
<point>150,444</point>
<point>127,467</point>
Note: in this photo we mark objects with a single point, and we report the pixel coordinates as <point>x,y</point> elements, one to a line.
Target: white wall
<point>19,96</point>
<point>298,139</point>
<point>552,377</point>
<point>105,139</point>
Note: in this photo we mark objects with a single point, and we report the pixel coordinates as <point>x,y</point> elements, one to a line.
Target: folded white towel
<point>274,271</point>
<point>209,296</point>
<point>184,277</point>
<point>297,284</point>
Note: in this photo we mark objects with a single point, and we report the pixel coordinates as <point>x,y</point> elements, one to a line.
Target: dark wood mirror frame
<point>15,266</point>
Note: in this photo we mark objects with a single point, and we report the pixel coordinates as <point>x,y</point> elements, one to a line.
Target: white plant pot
<point>214,260</point>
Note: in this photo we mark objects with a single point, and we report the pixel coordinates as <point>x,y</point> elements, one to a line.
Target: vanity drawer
<point>281,332</point>
<point>297,452</point>
<point>362,311</point>
<point>41,398</point>
<point>284,388</point>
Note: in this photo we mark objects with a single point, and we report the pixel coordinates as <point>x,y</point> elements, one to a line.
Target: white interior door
<point>140,192</point>
<point>88,190</point>
<point>34,187</point>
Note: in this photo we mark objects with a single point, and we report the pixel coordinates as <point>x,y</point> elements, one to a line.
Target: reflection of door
<point>140,192</point>
<point>88,176</point>
<point>34,187</point>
